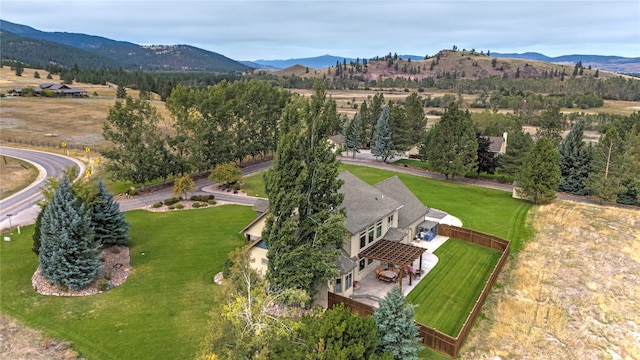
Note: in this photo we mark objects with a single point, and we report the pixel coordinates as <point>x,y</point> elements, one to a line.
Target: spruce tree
<point>107,220</point>
<point>397,331</point>
<point>539,176</point>
<point>352,134</point>
<point>575,161</point>
<point>69,254</point>
<point>382,145</point>
<point>36,232</point>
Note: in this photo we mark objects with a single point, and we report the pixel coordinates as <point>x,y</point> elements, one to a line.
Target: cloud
<point>288,29</point>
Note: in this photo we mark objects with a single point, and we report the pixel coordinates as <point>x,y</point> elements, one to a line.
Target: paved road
<point>23,205</point>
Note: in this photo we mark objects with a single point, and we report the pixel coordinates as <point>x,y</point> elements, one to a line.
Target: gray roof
<point>394,234</point>
<point>338,139</point>
<point>437,214</point>
<point>496,143</point>
<point>261,205</point>
<point>413,208</point>
<point>428,224</point>
<point>364,203</point>
<point>345,264</point>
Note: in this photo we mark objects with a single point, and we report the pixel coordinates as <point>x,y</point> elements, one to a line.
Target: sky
<point>250,30</point>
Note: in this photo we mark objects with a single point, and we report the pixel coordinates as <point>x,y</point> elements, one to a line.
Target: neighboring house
<point>337,142</point>
<point>60,90</point>
<point>498,144</point>
<point>382,220</point>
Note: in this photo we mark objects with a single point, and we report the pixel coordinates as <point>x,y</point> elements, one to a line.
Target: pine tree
<point>68,252</point>
<point>487,161</point>
<point>305,228</point>
<point>36,232</point>
<point>401,129</point>
<point>575,161</point>
<point>382,145</point>
<point>121,92</point>
<point>397,331</point>
<point>417,119</point>
<point>551,125</point>
<point>518,145</point>
<point>604,181</point>
<point>539,176</point>
<point>452,149</point>
<point>107,220</point>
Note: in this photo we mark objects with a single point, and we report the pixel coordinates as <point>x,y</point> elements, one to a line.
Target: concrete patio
<point>371,289</point>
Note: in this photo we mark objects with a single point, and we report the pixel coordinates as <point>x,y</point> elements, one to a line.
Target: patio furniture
<point>387,275</point>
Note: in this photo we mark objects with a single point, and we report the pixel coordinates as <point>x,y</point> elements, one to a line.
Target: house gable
<point>413,209</point>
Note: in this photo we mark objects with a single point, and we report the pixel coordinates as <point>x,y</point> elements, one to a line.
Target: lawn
<point>162,309</point>
<point>448,292</point>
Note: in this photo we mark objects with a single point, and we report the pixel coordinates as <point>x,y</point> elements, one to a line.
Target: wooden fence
<point>431,337</point>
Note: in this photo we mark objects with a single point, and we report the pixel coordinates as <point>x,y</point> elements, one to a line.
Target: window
<point>363,264</point>
<point>390,221</point>
<point>347,281</point>
<point>379,229</point>
<point>363,239</point>
<point>370,262</point>
<point>371,238</point>
<point>264,261</point>
<point>339,285</point>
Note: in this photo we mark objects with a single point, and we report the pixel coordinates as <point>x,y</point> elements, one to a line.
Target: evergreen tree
<point>305,228</point>
<point>575,161</point>
<point>631,167</point>
<point>539,176</point>
<point>121,92</point>
<point>417,119</point>
<point>401,129</point>
<point>352,134</point>
<point>604,182</point>
<point>36,232</point>
<point>364,125</point>
<point>107,220</point>
<point>397,331</point>
<point>375,109</point>
<point>452,148</point>
<point>69,254</point>
<point>518,145</point>
<point>382,144</point>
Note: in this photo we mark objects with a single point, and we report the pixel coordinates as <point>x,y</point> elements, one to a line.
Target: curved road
<point>23,205</point>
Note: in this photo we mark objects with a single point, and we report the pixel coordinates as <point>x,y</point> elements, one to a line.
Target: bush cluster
<point>203,198</point>
<point>179,206</point>
<point>171,201</point>
<point>157,205</point>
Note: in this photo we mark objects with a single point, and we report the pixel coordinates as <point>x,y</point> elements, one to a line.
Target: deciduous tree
<point>226,174</point>
<point>182,186</point>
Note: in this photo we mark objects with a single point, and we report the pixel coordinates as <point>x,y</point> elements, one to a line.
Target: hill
<point>609,63</point>
<point>115,53</point>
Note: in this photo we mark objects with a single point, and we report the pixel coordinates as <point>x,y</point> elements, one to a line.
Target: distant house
<point>498,144</point>
<point>337,142</point>
<point>382,220</point>
<point>60,90</point>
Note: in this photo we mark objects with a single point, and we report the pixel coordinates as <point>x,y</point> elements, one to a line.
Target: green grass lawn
<point>253,185</point>
<point>160,312</point>
<point>448,292</point>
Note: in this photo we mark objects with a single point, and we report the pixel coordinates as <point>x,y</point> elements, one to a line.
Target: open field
<point>15,175</point>
<point>162,309</point>
<point>572,292</point>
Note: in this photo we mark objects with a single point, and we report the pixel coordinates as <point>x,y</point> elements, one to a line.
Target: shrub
<point>172,207</point>
<point>132,192</point>
<point>103,285</point>
<point>204,204</point>
<point>203,198</point>
<point>179,206</point>
<point>212,202</point>
<point>195,205</point>
<point>157,205</point>
<point>171,201</point>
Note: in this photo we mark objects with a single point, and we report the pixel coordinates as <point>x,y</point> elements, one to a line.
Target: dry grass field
<point>15,175</point>
<point>20,342</point>
<point>573,292</point>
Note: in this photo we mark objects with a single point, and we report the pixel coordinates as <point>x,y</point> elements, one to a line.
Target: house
<point>60,90</point>
<point>337,142</point>
<point>382,220</point>
<point>498,144</point>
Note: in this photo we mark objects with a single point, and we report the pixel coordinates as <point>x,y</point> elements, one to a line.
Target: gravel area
<point>115,268</point>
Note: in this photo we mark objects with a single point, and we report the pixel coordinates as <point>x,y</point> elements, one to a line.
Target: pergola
<point>394,253</point>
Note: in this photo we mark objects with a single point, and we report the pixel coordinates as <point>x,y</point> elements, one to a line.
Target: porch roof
<point>392,252</point>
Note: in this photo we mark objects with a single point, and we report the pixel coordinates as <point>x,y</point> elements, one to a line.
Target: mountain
<point>124,54</point>
<point>318,62</point>
<point>603,62</point>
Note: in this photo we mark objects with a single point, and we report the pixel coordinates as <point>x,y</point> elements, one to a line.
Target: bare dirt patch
<point>572,292</point>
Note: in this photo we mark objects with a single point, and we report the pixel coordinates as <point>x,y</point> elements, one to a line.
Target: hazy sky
<point>250,30</point>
